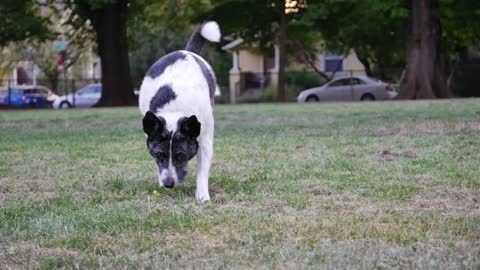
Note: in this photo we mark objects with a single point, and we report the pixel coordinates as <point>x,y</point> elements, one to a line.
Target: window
<point>87,90</point>
<point>341,82</point>
<point>356,81</point>
<point>35,91</point>
<point>333,63</point>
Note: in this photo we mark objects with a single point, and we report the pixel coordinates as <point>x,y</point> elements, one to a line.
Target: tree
<point>436,36</point>
<point>262,25</point>
<point>108,18</point>
<point>373,29</point>
<point>42,54</point>
<point>164,26</point>
<point>425,74</point>
<point>20,20</point>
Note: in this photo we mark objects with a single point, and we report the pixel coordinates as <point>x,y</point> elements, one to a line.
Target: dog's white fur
<point>192,98</point>
<point>211,31</point>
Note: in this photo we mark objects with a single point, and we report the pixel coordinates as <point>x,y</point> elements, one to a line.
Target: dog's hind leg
<point>204,157</point>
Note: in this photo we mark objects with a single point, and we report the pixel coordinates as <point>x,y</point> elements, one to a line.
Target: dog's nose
<point>169,182</point>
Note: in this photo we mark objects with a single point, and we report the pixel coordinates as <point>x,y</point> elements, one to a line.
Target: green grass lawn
<point>345,185</point>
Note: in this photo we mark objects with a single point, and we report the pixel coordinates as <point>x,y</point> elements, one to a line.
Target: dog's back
<point>182,81</point>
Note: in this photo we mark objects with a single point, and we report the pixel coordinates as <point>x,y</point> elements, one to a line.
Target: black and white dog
<point>176,99</point>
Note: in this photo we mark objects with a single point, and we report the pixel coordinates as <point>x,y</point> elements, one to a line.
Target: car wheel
<point>367,97</point>
<point>65,105</point>
<point>312,99</point>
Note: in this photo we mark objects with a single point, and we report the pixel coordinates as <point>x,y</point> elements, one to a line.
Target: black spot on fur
<point>159,67</point>
<point>209,76</point>
<point>184,141</point>
<point>163,96</point>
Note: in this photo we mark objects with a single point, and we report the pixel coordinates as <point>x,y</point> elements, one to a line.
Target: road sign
<point>60,46</point>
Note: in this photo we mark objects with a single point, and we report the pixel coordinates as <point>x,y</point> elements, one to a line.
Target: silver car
<point>349,88</point>
<point>83,98</point>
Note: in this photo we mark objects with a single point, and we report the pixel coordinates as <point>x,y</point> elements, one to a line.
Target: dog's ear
<point>189,126</point>
<point>151,123</point>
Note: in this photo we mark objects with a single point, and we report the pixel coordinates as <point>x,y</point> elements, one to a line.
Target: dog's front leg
<point>204,157</point>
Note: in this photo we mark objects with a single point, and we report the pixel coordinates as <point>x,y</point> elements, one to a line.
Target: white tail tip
<point>211,31</point>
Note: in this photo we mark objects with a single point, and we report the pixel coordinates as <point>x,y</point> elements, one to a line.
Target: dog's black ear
<point>189,126</point>
<point>151,123</point>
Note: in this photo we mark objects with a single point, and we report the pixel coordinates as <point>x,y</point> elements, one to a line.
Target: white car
<point>83,98</point>
<point>349,88</point>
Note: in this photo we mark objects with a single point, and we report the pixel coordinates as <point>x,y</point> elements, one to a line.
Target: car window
<point>87,90</point>
<point>35,91</point>
<point>355,81</point>
<point>341,82</point>
<point>15,91</point>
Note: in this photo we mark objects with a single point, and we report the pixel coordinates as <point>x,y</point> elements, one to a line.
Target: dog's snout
<point>169,182</point>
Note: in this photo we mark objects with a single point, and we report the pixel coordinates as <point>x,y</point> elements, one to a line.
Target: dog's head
<point>171,149</point>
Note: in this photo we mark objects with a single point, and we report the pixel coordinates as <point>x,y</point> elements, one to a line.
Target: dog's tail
<point>207,31</point>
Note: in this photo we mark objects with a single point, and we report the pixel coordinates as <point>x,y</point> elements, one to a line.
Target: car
<point>83,98</point>
<point>349,88</point>
<point>32,96</point>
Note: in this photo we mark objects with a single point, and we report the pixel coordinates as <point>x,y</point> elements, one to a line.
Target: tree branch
<point>309,61</point>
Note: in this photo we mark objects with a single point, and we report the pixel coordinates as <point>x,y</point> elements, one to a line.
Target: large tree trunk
<point>425,75</point>
<point>282,37</point>
<point>110,23</point>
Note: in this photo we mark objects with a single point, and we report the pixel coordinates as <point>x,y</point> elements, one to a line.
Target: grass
<point>341,185</point>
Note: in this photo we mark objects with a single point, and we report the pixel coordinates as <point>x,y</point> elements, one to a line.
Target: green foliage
<point>20,20</point>
<point>148,47</point>
<point>460,24</point>
<point>374,29</point>
<point>269,95</point>
<point>257,22</point>
<point>304,80</point>
<point>165,26</point>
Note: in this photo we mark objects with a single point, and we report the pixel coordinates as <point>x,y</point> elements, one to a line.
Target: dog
<point>176,100</point>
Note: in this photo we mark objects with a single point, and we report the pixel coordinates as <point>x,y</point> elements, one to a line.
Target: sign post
<point>61,55</point>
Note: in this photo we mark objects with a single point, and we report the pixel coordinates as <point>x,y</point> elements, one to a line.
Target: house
<point>253,70</point>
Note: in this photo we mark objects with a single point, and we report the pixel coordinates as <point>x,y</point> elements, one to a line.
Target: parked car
<point>33,96</point>
<point>83,98</point>
<point>349,88</point>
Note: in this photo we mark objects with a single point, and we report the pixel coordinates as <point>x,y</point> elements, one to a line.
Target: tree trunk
<point>425,75</point>
<point>282,36</point>
<point>110,23</point>
<point>53,79</point>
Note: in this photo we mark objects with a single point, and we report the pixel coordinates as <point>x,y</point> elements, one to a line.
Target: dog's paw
<point>202,196</point>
